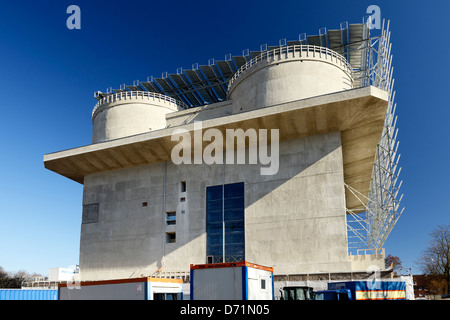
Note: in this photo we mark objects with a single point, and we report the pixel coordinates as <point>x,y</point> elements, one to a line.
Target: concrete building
<point>145,215</point>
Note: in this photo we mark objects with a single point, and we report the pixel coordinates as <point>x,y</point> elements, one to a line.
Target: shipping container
<point>28,294</point>
<point>231,281</point>
<point>372,290</point>
<point>123,289</point>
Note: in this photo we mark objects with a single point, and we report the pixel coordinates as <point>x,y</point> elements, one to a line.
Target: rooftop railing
<point>294,51</point>
<point>126,95</point>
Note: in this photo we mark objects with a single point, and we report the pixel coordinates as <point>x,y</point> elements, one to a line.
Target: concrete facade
<point>295,220</point>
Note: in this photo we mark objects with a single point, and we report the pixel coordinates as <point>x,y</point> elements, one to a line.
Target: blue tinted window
<point>233,195</point>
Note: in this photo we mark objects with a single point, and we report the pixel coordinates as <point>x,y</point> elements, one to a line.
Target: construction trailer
<point>231,281</point>
<point>145,288</point>
<point>28,294</point>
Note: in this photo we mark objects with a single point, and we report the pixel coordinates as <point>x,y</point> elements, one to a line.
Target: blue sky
<point>48,74</point>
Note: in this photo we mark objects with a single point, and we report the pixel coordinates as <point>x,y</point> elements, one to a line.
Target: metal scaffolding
<point>370,225</point>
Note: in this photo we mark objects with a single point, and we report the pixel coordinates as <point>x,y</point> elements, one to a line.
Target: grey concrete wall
<point>209,111</point>
<point>294,220</point>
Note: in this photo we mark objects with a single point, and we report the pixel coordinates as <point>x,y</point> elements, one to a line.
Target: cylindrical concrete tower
<point>129,113</point>
<point>287,74</point>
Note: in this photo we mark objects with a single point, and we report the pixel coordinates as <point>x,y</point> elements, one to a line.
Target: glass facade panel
<point>233,195</point>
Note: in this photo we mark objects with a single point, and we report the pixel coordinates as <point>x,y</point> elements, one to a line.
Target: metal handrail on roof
<point>205,84</point>
<point>306,51</point>
<point>113,97</point>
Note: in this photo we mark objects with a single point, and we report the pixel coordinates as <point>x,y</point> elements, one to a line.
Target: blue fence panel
<point>28,294</point>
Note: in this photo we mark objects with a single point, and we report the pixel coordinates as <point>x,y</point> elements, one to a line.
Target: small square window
<point>171,237</point>
<point>183,199</point>
<point>144,204</point>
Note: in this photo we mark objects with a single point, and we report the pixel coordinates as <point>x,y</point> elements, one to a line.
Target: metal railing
<point>295,51</point>
<point>184,275</point>
<point>110,98</point>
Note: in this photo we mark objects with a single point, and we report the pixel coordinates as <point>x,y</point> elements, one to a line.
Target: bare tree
<point>13,280</point>
<point>393,261</point>
<point>435,260</point>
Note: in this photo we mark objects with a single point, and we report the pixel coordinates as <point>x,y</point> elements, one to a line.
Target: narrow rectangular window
<point>231,200</point>
<point>183,186</point>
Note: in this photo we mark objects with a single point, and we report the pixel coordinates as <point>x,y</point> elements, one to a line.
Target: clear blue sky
<point>48,75</point>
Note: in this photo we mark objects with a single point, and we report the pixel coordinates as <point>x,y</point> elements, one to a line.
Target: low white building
<point>61,274</point>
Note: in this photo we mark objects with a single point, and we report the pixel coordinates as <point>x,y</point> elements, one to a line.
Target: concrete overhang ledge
<point>358,114</point>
